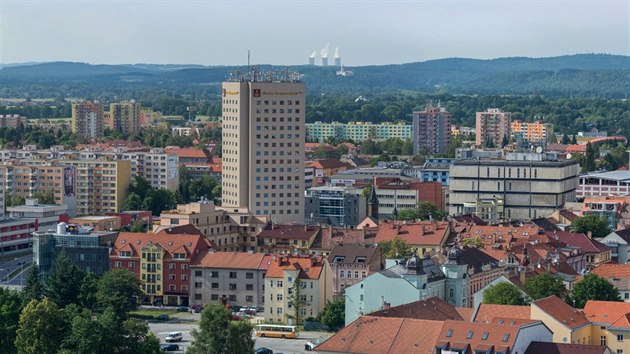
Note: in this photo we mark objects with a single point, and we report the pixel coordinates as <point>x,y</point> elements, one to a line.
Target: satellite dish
<point>569,156</point>
<point>539,149</point>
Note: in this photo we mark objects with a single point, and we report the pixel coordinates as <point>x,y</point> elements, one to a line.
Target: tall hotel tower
<point>263,145</point>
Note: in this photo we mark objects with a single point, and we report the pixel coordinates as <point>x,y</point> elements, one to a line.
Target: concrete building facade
<point>431,131</point>
<point>88,119</point>
<point>492,126</point>
<point>124,117</point>
<point>357,131</point>
<point>337,206</point>
<point>263,147</point>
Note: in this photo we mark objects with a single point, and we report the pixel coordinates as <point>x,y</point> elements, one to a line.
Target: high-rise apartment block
<point>124,117</point>
<point>87,119</point>
<point>492,126</point>
<point>431,131</point>
<point>263,145</point>
<point>534,132</point>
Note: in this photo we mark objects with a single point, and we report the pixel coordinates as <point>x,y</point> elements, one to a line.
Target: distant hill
<point>583,75</point>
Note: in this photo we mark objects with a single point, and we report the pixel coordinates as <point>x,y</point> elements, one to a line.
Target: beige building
<point>263,146</point>
<point>315,287</point>
<point>12,120</point>
<point>88,119</point>
<point>492,126</point>
<point>526,185</point>
<point>124,117</point>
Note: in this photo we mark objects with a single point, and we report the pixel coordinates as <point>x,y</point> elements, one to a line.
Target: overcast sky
<point>287,32</point>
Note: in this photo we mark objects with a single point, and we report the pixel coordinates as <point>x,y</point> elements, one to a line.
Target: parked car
<point>182,309</point>
<point>174,337</point>
<point>162,317</point>
<point>263,350</point>
<point>168,347</point>
<point>198,308</point>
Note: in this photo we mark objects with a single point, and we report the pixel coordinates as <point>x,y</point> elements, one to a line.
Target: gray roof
<point>611,176</point>
<point>426,266</point>
<point>350,253</point>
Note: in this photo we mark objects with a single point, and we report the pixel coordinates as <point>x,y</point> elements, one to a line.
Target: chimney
<point>305,228</point>
<point>522,276</point>
<point>363,231</point>
<point>589,234</point>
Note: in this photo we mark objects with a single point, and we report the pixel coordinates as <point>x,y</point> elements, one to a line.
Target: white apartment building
<point>263,145</point>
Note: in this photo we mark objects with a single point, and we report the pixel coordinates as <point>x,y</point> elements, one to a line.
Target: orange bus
<point>279,331</point>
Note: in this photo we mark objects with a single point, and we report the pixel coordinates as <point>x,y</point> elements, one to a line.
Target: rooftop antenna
<point>248,61</point>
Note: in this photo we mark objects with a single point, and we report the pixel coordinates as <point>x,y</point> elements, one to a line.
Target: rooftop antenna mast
<point>248,60</point>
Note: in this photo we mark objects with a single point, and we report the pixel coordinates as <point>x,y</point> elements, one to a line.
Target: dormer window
<point>360,260</point>
<point>179,255</point>
<point>338,259</point>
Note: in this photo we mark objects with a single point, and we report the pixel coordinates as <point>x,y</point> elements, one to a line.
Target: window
<point>184,277</point>
<point>506,337</point>
<point>184,266</point>
<point>620,337</point>
<point>171,276</point>
<point>197,296</point>
<point>279,297</point>
<point>232,297</point>
<point>198,273</point>
<point>279,311</point>
<point>232,286</point>
<point>485,335</point>
<point>172,266</point>
<point>214,297</point>
<point>279,283</point>
<point>215,285</point>
<point>214,274</point>
<point>602,341</point>
<point>249,287</point>
<point>232,275</point>
<point>249,275</point>
<point>451,293</point>
<point>619,351</point>
<point>249,298</point>
<point>449,333</point>
<point>117,264</point>
<point>197,284</point>
<point>470,334</point>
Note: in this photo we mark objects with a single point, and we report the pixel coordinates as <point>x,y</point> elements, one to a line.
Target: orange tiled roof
<point>419,233</point>
<point>561,311</point>
<point>328,163</point>
<point>310,267</point>
<point>605,311</point>
<point>187,152</point>
<point>608,271</point>
<point>171,243</point>
<point>289,231</point>
<point>384,335</point>
<point>487,312</point>
<point>231,260</point>
<point>457,333</point>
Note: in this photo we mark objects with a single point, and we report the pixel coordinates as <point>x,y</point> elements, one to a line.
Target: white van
<point>174,337</point>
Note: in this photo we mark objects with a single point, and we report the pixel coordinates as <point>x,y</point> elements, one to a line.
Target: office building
<point>431,131</point>
<point>356,131</point>
<point>47,216</point>
<point>521,186</point>
<point>124,117</point>
<point>395,195</point>
<point>336,206</point>
<point>88,119</point>
<point>492,127</point>
<point>88,250</point>
<point>263,145</point>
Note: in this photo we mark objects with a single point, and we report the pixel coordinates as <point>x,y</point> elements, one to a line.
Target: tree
<point>334,314</point>
<point>589,158</point>
<point>297,301</point>
<point>574,140</point>
<point>593,287</point>
<point>505,141</point>
<point>503,294</point>
<point>33,290</point>
<point>120,290</point>
<point>133,202</point>
<point>424,211</point>
<point>217,335</point>
<point>475,242</point>
<point>591,223</point>
<point>545,285</point>
<point>86,335</point>
<point>64,282</point>
<point>395,248</point>
<point>88,291</point>
<point>42,328</point>
<point>47,197</point>
<point>10,308</point>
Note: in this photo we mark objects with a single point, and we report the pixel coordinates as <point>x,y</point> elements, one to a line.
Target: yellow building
<point>151,271</point>
<point>568,325</point>
<point>610,324</point>
<point>124,117</point>
<point>532,132</point>
<point>87,119</point>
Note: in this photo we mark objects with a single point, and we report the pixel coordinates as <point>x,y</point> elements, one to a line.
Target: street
<point>13,265</point>
<point>278,345</point>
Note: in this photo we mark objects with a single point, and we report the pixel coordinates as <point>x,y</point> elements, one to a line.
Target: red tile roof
<point>461,333</point>
<point>561,348</point>
<point>309,267</point>
<point>231,260</point>
<point>384,335</point>
<point>561,311</point>
<point>171,243</point>
<point>579,240</point>
<point>419,233</point>
<point>432,308</point>
<point>188,152</point>
<point>487,312</point>
<point>609,271</point>
<point>605,311</point>
<point>289,232</point>
<point>328,163</point>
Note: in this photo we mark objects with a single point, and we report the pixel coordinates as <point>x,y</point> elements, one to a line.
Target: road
<point>278,345</point>
<point>12,265</point>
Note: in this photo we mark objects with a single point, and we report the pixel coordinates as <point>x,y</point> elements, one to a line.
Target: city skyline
<point>287,33</point>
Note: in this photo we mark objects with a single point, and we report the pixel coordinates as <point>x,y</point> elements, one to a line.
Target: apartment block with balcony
<point>431,131</point>
<point>314,275</point>
<point>492,126</point>
<point>12,120</point>
<point>232,278</point>
<point>88,119</point>
<point>287,238</point>
<point>534,132</point>
<point>124,117</point>
<point>357,131</point>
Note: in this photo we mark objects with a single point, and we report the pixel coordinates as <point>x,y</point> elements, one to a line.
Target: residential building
<point>525,185</point>
<point>87,249</point>
<point>233,278</point>
<point>185,131</point>
<point>435,169</point>
<point>27,178</point>
<point>534,132</point>
<point>567,324</point>
<point>356,131</point>
<point>325,168</point>
<point>124,117</point>
<point>492,126</point>
<point>610,324</point>
<point>190,155</point>
<point>429,237</point>
<point>596,252</point>
<point>396,194</point>
<point>287,238</point>
<point>15,235</point>
<point>149,117</point>
<point>613,183</point>
<point>352,262</point>
<point>47,216</point>
<point>561,348</point>
<point>12,120</point>
<point>392,335</point>
<point>618,275</point>
<point>129,218</point>
<point>87,119</point>
<point>161,261</point>
<point>161,169</point>
<point>315,287</point>
<point>433,308</point>
<point>431,131</point>
<point>613,209</point>
<point>618,242</point>
<point>411,280</point>
<point>263,146</point>
<point>337,206</point>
